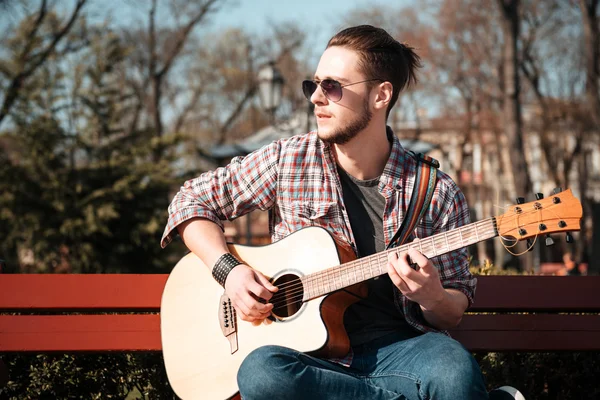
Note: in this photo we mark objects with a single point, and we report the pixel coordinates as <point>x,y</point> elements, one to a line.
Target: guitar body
<point>197,354</point>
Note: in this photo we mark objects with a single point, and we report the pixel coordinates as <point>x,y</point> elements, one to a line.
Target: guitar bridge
<point>228,322</point>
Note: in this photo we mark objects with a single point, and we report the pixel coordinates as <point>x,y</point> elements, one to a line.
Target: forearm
<point>204,238</point>
<point>447,312</point>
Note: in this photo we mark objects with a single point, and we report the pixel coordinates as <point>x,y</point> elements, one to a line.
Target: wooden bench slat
<point>537,293</point>
<point>80,333</point>
<point>141,332</point>
<point>139,291</point>
<point>81,291</point>
<point>528,341</point>
<point>529,332</point>
<point>530,322</point>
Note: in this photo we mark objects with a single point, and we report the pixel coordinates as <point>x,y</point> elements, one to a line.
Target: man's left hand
<point>421,284</point>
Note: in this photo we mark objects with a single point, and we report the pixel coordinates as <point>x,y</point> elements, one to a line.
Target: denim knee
<point>259,375</point>
<point>456,374</point>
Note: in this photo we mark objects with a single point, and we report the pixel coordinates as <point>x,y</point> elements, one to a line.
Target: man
<point>353,178</point>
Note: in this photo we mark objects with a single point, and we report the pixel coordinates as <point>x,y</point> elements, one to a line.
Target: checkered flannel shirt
<point>297,179</point>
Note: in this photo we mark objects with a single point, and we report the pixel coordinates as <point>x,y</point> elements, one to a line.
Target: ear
<point>383,95</point>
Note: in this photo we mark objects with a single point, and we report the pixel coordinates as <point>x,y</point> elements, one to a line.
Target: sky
<point>322,18</point>
<point>320,14</point>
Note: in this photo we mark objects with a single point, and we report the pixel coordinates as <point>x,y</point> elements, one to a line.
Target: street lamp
<point>270,88</point>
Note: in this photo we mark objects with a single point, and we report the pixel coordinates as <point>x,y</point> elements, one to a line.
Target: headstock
<point>561,212</point>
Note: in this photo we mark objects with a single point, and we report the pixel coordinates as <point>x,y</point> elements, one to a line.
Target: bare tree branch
<point>19,80</point>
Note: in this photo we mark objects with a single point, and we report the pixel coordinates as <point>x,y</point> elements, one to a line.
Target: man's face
<point>340,121</point>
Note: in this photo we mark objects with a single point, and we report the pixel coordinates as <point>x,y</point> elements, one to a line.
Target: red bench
<point>68,313</point>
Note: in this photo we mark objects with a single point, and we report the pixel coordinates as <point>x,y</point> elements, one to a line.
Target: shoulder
<point>298,142</point>
<point>446,186</point>
<point>300,147</point>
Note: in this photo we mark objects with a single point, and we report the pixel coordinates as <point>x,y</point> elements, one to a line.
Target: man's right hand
<point>245,287</point>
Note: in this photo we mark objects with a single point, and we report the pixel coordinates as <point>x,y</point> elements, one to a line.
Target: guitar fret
<point>371,268</point>
<point>360,270</point>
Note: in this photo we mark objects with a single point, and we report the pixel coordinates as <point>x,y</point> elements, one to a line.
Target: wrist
<point>433,304</point>
<point>223,266</point>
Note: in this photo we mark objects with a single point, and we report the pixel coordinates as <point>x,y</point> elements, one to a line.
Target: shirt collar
<point>394,168</point>
<point>391,177</point>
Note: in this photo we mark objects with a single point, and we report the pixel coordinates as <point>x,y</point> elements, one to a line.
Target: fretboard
<point>336,278</point>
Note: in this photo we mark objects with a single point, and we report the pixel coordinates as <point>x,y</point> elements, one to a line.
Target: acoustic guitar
<point>204,343</point>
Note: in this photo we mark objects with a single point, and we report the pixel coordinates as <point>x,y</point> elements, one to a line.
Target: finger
<point>241,308</point>
<point>406,272</point>
<point>418,257</point>
<point>265,282</point>
<point>260,291</point>
<point>396,278</point>
<point>398,260</point>
<point>255,308</point>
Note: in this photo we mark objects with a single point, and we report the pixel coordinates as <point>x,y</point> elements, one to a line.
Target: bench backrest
<point>67,313</point>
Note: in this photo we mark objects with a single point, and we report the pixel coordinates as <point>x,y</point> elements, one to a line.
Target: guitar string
<point>454,237</point>
<point>449,236</point>
<point>422,243</point>
<point>295,288</point>
<point>295,293</point>
<point>381,258</point>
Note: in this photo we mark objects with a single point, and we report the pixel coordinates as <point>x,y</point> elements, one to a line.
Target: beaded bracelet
<point>223,267</point>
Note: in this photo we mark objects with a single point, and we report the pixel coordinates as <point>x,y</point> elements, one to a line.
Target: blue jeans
<point>428,366</point>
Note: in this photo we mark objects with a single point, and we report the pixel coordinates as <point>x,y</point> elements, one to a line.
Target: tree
<point>590,12</point>
<point>512,103</point>
<point>35,49</point>
<point>83,196</point>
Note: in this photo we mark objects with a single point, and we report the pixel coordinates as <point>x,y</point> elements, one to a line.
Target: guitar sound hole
<point>288,299</point>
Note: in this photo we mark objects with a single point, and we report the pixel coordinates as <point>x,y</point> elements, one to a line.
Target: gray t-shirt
<point>375,315</point>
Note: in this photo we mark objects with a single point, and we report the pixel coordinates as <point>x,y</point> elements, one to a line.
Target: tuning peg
<point>557,190</point>
<point>549,241</point>
<point>570,238</point>
<point>539,196</point>
<point>520,200</point>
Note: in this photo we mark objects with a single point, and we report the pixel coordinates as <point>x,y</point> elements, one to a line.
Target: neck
<point>365,156</point>
<point>362,269</point>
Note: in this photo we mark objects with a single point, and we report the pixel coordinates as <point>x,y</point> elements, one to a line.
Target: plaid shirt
<point>297,180</point>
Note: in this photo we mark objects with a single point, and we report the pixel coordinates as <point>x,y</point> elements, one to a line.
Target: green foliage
<point>91,195</point>
<point>102,215</point>
<point>541,376</point>
<point>558,376</point>
<point>86,376</point>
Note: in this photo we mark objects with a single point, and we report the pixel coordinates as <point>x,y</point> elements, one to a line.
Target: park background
<point>107,107</point>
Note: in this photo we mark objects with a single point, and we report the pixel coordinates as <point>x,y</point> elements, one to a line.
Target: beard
<point>344,134</point>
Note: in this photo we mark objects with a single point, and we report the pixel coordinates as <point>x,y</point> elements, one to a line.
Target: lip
<point>322,115</point>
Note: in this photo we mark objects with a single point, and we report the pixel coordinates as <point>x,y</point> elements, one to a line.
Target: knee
<point>456,375</point>
<point>260,374</point>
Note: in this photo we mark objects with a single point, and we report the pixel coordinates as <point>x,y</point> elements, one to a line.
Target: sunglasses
<point>331,88</point>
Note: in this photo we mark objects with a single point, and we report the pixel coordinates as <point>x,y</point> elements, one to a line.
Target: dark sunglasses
<point>331,88</point>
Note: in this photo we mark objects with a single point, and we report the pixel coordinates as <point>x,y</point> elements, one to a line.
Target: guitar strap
<point>420,199</point>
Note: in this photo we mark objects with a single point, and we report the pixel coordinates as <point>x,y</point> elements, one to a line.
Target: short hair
<point>381,57</point>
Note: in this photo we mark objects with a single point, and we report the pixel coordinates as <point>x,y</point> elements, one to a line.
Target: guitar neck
<point>329,280</point>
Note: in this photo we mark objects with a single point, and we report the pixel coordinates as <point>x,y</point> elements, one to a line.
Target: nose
<point>318,96</point>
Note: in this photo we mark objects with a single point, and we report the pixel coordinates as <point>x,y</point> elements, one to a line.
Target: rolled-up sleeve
<point>246,184</point>
<point>454,266</point>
